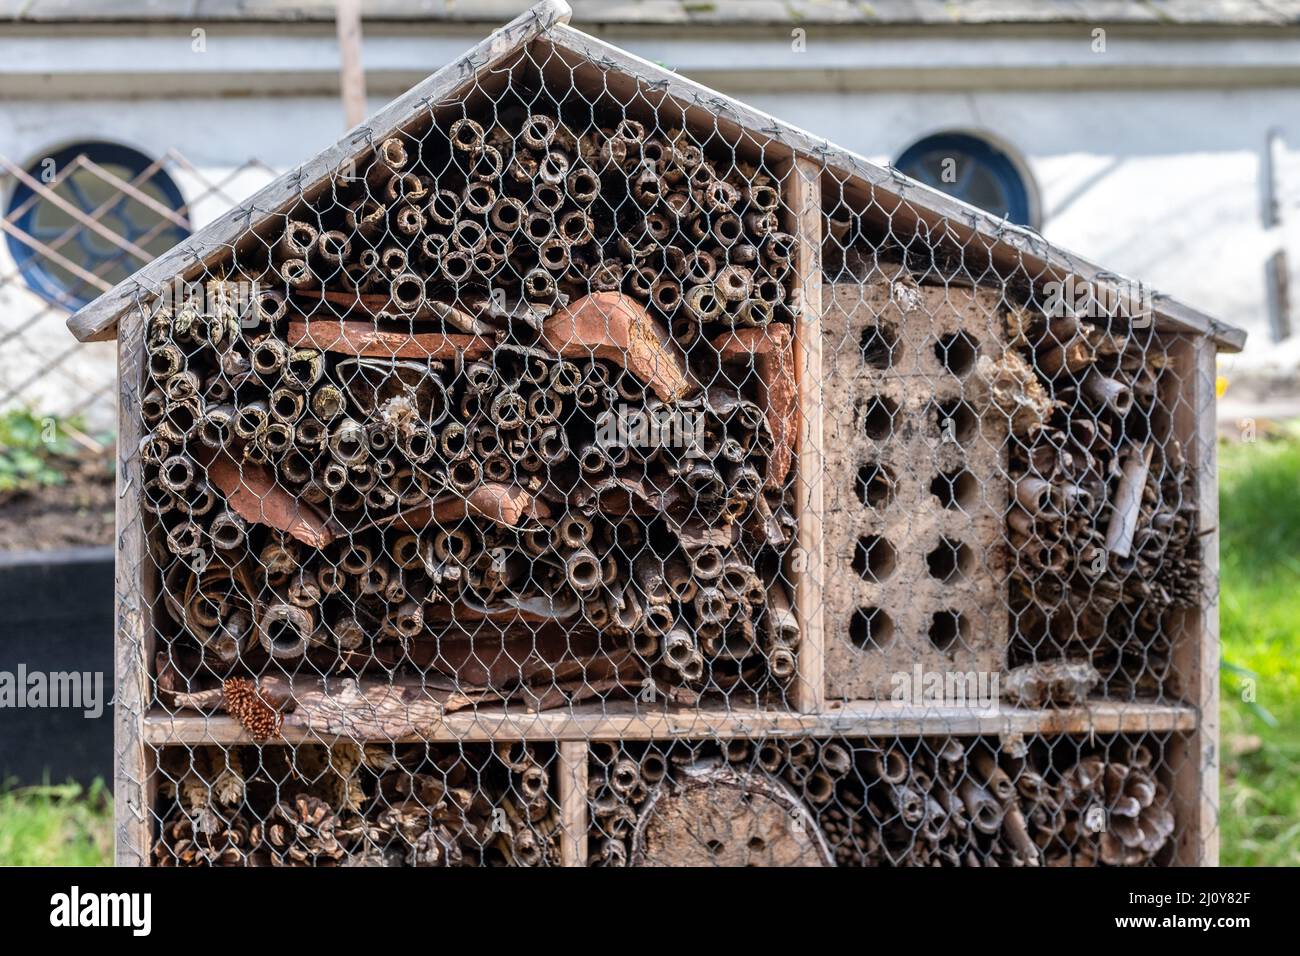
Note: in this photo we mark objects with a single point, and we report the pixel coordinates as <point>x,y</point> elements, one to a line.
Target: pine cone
<point>1134,820</point>
<point>203,839</point>
<point>246,705</point>
<point>431,836</point>
<point>372,856</point>
<point>436,846</point>
<point>301,833</point>
<point>369,843</point>
<point>1140,821</point>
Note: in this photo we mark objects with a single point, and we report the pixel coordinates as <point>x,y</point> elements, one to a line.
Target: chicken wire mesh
<point>1015,454</point>
<point>835,801</point>
<point>572,414</point>
<point>351,805</point>
<point>798,801</point>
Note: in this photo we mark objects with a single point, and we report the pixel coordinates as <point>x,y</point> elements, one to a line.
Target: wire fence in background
<point>74,227</point>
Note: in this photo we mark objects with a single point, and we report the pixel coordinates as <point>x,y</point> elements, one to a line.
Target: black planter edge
<point>86,555</point>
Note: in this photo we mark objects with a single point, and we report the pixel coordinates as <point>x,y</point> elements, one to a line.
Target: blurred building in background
<point>1160,137</point>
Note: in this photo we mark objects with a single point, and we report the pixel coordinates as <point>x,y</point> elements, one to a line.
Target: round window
<point>972,170</point>
<point>91,211</point>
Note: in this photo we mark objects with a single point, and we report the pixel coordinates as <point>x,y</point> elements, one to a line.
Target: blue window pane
<point>972,170</point>
<point>56,253</point>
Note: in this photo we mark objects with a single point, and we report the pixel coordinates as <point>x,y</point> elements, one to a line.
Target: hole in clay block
<point>874,558</point>
<point>955,489</point>
<point>880,346</point>
<point>956,353</point>
<point>878,418</point>
<point>875,485</point>
<point>871,629</point>
<point>946,627</point>
<point>954,421</point>
<point>951,560</point>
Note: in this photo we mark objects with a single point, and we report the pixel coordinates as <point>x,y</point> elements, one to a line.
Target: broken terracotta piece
<point>508,505</point>
<point>486,655</point>
<point>504,504</point>
<point>383,307</point>
<point>621,496</point>
<point>615,327</point>
<point>510,609</point>
<point>253,493</point>
<point>361,338</point>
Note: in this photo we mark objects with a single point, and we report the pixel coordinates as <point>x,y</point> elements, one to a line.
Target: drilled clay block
<point>916,486</point>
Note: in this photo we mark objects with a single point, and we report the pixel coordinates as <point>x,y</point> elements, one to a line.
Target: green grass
<point>65,825</point>
<point>1260,623</point>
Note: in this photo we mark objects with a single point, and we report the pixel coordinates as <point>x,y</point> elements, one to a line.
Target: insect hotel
<point>573,466</point>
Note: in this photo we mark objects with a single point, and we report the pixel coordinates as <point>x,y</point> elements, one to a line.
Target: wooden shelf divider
<point>623,722</point>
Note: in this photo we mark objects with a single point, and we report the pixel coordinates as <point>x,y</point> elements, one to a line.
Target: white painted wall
<point>1161,185</point>
<point>1155,181</point>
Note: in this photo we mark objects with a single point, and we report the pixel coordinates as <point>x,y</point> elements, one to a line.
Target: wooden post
<point>804,197</point>
<point>573,803</point>
<point>1196,631</point>
<point>352,77</point>
<point>133,646</point>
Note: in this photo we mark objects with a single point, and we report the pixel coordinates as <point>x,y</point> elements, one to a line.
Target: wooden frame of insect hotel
<point>572,451</point>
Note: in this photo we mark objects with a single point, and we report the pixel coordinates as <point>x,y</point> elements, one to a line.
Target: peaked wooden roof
<point>903,201</point>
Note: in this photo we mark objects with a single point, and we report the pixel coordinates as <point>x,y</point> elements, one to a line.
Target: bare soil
<point>75,514</point>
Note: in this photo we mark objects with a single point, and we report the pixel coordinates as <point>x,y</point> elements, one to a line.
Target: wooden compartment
<point>348,805</point>
<point>848,801</point>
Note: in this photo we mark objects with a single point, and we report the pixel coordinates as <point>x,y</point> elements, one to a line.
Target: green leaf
<point>1263,713</point>
<point>1236,669</point>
